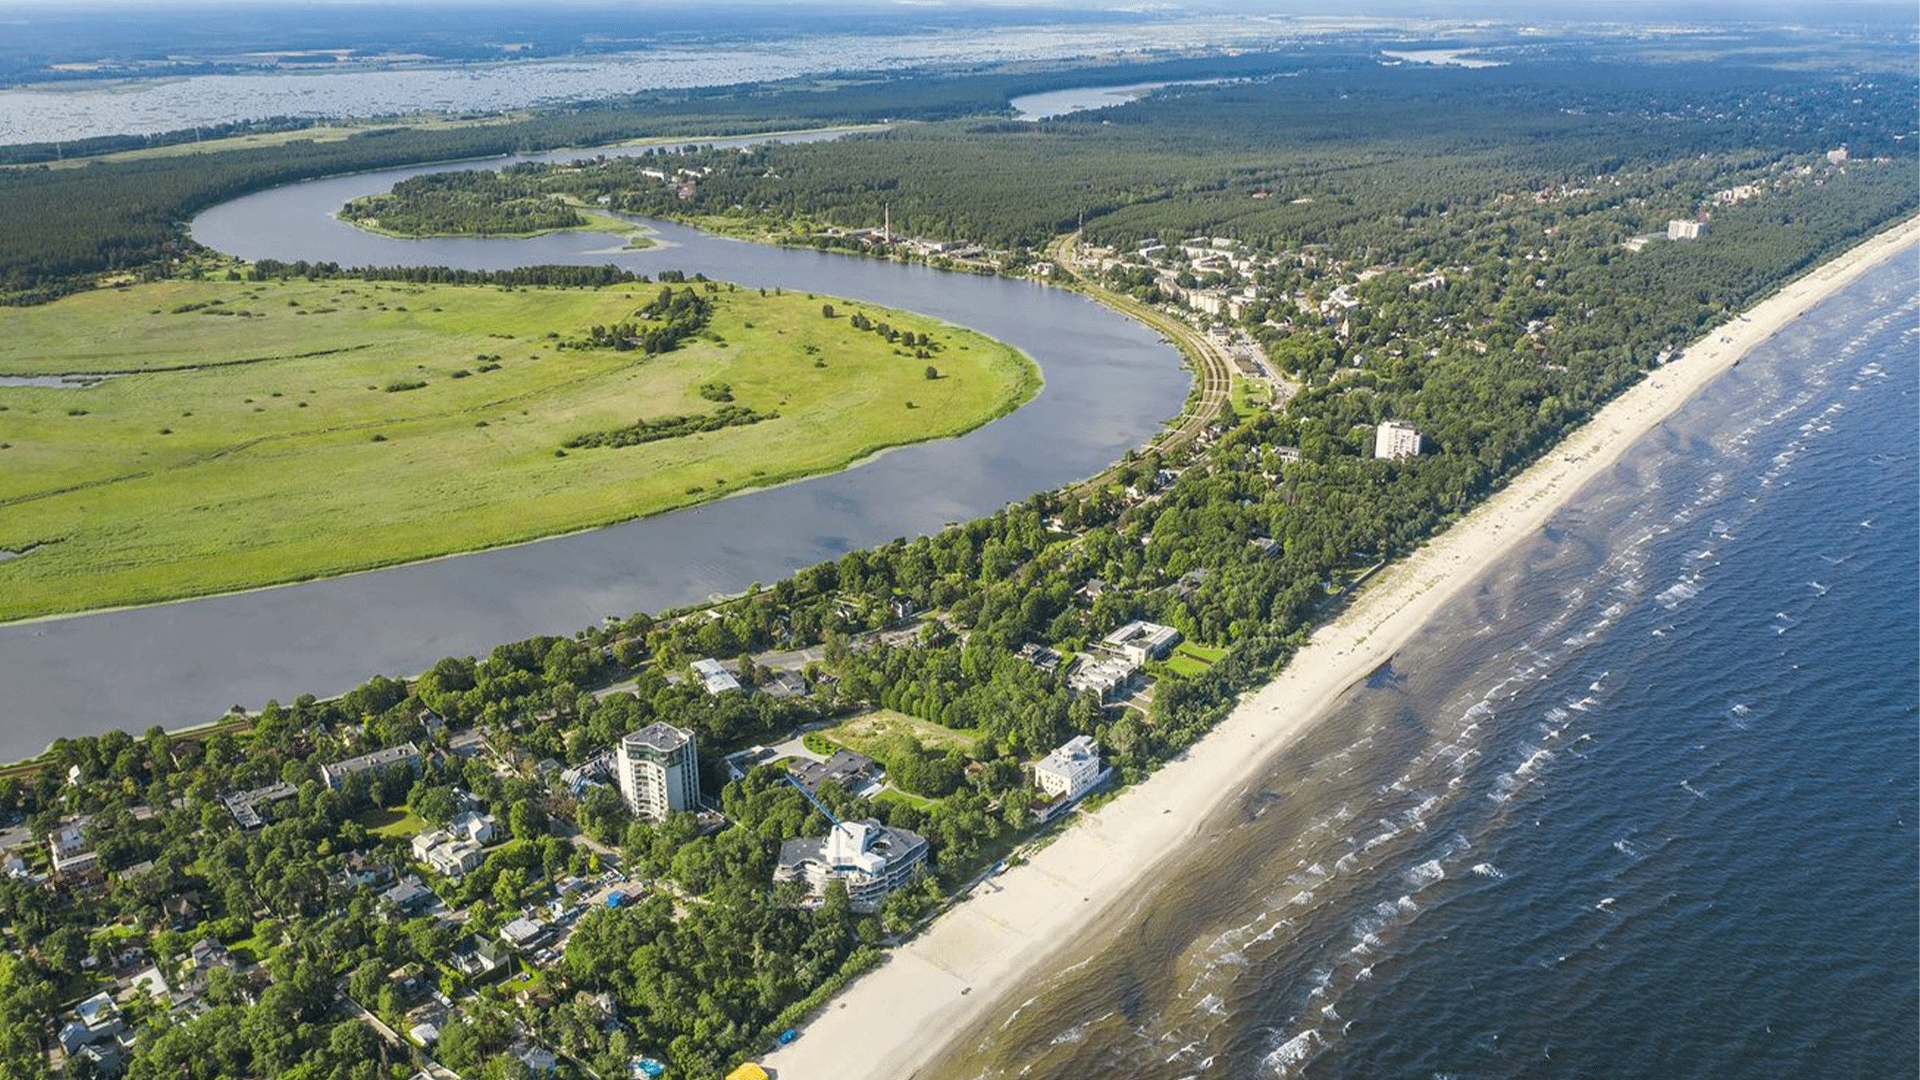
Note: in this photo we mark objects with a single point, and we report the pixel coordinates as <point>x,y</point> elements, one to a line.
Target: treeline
<point>573,276</point>
<point>47,152</point>
<point>468,201</point>
<point>669,427</point>
<point>60,226</point>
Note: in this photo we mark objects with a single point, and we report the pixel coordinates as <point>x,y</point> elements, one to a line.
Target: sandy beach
<point>974,961</point>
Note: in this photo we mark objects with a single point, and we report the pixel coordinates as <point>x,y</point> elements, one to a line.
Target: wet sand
<point>981,959</point>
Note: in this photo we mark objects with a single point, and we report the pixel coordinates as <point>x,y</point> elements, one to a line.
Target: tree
<point>932,373</point>
<point>826,311</point>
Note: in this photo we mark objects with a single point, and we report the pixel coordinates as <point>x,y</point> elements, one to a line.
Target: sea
<point>1642,803</point>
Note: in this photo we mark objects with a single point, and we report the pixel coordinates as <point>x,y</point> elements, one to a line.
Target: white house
<point>1103,676</point>
<point>1072,770</point>
<point>469,825</point>
<point>455,858</point>
<point>714,676</point>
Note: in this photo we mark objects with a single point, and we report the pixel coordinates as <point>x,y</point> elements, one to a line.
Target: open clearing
<point>869,732</point>
<point>288,443</point>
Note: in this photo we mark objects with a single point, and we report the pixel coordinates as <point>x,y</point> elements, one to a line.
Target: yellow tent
<point>749,1071</point>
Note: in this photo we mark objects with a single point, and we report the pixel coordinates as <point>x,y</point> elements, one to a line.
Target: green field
<point>288,442</point>
<point>1190,660</point>
<point>870,732</point>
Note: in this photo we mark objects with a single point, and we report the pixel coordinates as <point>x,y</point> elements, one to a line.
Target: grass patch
<point>259,410</point>
<point>392,824</point>
<point>868,732</point>
<point>1190,660</point>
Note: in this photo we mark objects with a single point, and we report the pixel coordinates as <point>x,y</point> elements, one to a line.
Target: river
<point>1111,384</point>
<point>1642,804</point>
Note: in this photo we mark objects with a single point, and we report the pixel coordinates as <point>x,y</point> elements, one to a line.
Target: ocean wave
<point>1425,874</point>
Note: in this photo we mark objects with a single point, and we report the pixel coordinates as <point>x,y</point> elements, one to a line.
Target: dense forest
<point>1494,299</point>
<point>61,226</point>
<point>1344,144</point>
<point>475,202</point>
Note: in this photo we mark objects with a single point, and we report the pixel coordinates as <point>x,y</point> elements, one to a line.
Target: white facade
<point>1837,156</point>
<point>72,851</point>
<point>1685,230</point>
<point>714,676</point>
<point>659,772</point>
<point>1103,676</point>
<point>1071,770</point>
<point>1142,641</point>
<point>455,858</point>
<point>1395,439</point>
<point>870,858</point>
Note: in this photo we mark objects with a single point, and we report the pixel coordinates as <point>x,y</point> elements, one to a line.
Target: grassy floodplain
<point>288,443</point>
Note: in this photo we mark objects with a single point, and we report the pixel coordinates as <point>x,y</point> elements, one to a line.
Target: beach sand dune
<point>986,955</point>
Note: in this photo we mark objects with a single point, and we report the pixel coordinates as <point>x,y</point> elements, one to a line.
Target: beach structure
<point>1072,770</point>
<point>1140,641</point>
<point>404,756</point>
<point>658,769</point>
<point>1396,439</point>
<point>1679,229</point>
<point>714,676</point>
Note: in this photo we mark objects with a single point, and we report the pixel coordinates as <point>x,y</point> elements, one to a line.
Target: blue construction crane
<point>816,802</point>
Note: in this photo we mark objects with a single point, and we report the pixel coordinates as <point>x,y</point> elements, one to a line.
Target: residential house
<point>74,860</point>
<point>714,676</point>
<point>404,756</point>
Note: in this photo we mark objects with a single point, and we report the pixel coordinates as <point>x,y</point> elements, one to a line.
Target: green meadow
<point>326,427</point>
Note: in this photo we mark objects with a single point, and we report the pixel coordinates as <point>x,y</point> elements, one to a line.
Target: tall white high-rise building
<point>1396,439</point>
<point>659,772</point>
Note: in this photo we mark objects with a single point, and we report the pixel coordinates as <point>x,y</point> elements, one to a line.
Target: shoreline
<point>980,959</point>
<point>1029,386</point>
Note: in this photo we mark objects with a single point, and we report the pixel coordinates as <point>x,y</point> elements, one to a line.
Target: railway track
<point>1210,365</point>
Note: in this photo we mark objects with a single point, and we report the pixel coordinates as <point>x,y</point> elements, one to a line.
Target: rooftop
<point>659,737</point>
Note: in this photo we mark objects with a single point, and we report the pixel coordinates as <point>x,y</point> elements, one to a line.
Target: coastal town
<point>826,823</point>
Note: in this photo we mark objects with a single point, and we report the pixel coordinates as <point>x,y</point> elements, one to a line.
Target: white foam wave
<point>1425,874</point>
<point>1285,1057</point>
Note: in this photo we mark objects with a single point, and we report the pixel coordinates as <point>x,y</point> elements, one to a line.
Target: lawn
<point>392,824</point>
<point>1190,660</point>
<point>290,442</point>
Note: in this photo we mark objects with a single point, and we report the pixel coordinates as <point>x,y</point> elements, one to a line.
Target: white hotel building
<point>658,771</point>
<point>1395,439</point>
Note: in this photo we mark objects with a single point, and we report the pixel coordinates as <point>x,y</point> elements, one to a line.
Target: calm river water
<point>1111,384</point>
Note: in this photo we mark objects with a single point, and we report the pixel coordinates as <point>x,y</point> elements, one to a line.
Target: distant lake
<point>1052,103</point>
<point>77,110</point>
<point>1443,57</point>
